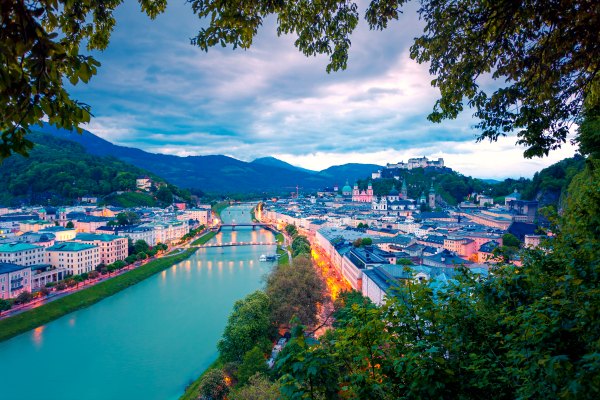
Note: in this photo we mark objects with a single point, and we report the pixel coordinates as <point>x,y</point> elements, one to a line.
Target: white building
<point>60,233</point>
<point>14,279</point>
<point>133,232</point>
<point>22,254</point>
<point>112,248</point>
<point>202,215</point>
<point>143,183</point>
<point>167,232</point>
<point>76,258</point>
<point>376,283</point>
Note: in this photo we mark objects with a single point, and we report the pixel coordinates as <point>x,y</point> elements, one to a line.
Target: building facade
<point>111,248</point>
<point>362,196</point>
<point>75,258</point>
<point>14,279</point>
<point>22,254</point>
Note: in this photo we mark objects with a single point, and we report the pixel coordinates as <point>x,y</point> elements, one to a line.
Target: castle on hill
<point>417,162</point>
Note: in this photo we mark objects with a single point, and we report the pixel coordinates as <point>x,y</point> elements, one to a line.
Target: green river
<point>147,342</point>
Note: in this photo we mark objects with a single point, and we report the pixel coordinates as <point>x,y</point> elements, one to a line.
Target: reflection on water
<point>37,335</point>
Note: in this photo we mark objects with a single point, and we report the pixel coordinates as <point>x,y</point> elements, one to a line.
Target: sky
<point>157,92</point>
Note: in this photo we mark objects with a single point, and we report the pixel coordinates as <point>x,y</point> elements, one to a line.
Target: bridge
<point>232,244</point>
<point>252,225</point>
<point>246,224</point>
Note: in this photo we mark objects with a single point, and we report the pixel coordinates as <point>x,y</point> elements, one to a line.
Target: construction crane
<point>294,187</point>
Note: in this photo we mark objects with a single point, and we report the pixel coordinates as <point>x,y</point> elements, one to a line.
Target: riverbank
<point>191,392</point>
<point>217,208</point>
<point>203,239</point>
<point>33,318</point>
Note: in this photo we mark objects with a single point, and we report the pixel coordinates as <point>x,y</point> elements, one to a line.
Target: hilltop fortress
<point>418,162</point>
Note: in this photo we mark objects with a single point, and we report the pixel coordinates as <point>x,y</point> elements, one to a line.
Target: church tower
<point>355,192</point>
<point>432,197</point>
<point>404,191</point>
<point>370,191</point>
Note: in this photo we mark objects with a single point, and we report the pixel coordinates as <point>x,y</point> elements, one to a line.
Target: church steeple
<point>404,190</point>
<point>432,196</point>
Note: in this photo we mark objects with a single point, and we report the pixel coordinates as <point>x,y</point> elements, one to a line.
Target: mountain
<point>274,162</point>
<point>217,173</point>
<point>350,172</point>
<point>59,171</point>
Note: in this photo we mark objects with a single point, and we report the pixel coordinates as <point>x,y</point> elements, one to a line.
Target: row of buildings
<point>436,243</point>
<point>39,245</point>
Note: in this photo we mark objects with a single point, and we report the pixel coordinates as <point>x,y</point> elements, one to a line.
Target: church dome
<point>346,188</point>
<point>394,191</point>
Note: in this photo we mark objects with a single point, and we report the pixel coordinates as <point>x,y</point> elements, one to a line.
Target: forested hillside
<point>60,171</point>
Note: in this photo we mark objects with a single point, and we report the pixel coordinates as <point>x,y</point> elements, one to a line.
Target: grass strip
<point>33,318</point>
<point>284,259</point>
<point>191,392</point>
<point>279,238</point>
<point>217,208</point>
<point>203,239</point>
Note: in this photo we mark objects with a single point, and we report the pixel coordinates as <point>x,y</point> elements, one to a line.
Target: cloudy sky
<point>157,92</point>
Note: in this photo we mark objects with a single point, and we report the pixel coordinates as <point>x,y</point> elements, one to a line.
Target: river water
<point>147,342</point>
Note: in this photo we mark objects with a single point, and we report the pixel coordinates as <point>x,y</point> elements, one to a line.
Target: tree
<point>131,259</point>
<point>40,50</point>
<point>23,297</point>
<point>295,290</point>
<point>258,388</point>
<point>128,218</point>
<point>300,245</point>
<point>307,372</point>
<point>249,324</point>
<point>510,240</point>
<point>44,291</point>
<point>362,242</point>
<point>291,230</point>
<point>165,195</point>
<point>140,246</point>
<point>70,225</point>
<point>544,54</point>
<point>4,305</point>
<point>254,362</point>
<point>213,386</point>
<point>404,261</point>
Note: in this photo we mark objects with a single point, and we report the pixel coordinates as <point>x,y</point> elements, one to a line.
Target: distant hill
<point>217,173</point>
<point>59,171</point>
<point>351,172</point>
<point>491,181</point>
<point>550,185</point>
<point>274,162</point>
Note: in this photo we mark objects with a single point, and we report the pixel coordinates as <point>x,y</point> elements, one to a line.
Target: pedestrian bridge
<point>232,244</point>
